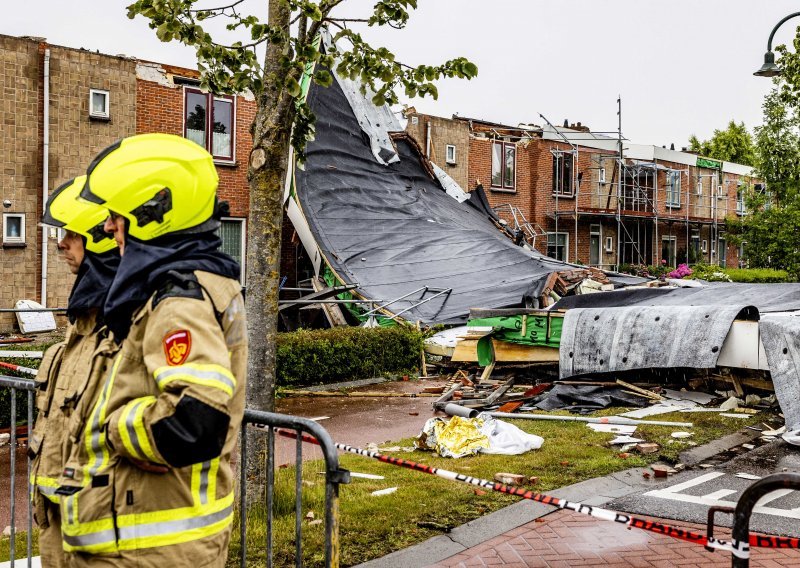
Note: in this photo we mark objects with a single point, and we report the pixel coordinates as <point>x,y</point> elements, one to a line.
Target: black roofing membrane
<point>392,229</point>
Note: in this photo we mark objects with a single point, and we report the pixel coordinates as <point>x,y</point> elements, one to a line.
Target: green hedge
<point>746,275</point>
<point>308,357</point>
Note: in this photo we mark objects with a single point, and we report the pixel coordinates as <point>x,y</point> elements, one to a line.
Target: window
<point>504,165</point>
<point>209,121</point>
<point>562,173</point>
<point>740,206</point>
<point>704,246</point>
<point>233,232</point>
<point>602,175</point>
<point>673,189</point>
<point>13,229</point>
<point>669,249</point>
<point>98,104</point>
<point>742,260</point>
<point>450,154</point>
<point>609,244</point>
<point>722,247</point>
<point>694,248</point>
<point>595,238</point>
<point>557,246</point>
<point>699,187</point>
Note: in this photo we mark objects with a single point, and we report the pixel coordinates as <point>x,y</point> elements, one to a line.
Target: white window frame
<point>504,184</point>
<point>602,175</point>
<point>243,222</point>
<point>609,244</point>
<point>107,110</point>
<point>674,240</point>
<point>9,240</point>
<point>704,246</point>
<point>741,209</point>
<point>699,187</point>
<point>673,188</point>
<point>566,243</point>
<point>450,154</point>
<point>210,98</point>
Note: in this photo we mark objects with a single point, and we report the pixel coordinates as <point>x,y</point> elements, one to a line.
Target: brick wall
<point>160,108</point>
<point>444,131</point>
<point>74,141</point>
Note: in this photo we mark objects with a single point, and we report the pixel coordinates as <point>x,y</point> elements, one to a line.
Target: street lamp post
<point>770,69</point>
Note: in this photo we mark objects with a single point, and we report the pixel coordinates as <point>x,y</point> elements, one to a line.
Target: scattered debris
<point>387,491</point>
<point>628,441</point>
<point>4,439</point>
<point>22,354</point>
<point>679,435</point>
<point>731,404</point>
<point>310,516</point>
<point>749,476</point>
<point>479,492</point>
<point>647,448</point>
<point>315,522</point>
<point>510,478</point>
<point>613,428</point>
<point>731,415</point>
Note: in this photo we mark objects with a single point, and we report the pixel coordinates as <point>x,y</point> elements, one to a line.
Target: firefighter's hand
<point>149,466</point>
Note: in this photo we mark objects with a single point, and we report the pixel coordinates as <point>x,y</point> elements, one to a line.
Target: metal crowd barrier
<point>13,386</point>
<point>270,423</point>
<point>265,423</point>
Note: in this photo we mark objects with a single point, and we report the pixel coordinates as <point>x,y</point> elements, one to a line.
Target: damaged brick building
<point>578,198</point>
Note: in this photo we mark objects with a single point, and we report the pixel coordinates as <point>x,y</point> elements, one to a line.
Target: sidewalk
<point>532,534</point>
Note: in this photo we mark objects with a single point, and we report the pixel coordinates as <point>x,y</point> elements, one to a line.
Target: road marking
<point>715,499</point>
<point>719,494</point>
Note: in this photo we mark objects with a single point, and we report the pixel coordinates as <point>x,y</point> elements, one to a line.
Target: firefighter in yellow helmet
<point>149,481</point>
<point>93,257</point>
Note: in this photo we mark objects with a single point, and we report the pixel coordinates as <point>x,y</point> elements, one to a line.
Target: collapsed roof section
<point>389,225</point>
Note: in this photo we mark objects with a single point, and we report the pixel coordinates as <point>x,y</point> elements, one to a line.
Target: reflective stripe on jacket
<point>173,397</point>
<point>61,380</point>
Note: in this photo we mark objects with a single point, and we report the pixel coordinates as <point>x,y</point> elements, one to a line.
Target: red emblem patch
<point>177,345</point>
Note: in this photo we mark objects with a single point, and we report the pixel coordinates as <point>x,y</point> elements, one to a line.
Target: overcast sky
<point>682,67</point>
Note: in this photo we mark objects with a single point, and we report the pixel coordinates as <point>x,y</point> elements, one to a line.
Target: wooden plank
<point>466,351</point>
<point>332,312</point>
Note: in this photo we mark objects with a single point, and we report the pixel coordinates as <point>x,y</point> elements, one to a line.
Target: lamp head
<point>769,69</point>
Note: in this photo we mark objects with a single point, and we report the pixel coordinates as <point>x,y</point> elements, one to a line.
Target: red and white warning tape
<point>737,548</point>
<point>19,368</point>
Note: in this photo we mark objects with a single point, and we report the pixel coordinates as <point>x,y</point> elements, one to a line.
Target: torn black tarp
<point>393,230</point>
<point>587,398</point>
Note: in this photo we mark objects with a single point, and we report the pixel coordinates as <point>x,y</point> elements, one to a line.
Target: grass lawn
<point>424,505</point>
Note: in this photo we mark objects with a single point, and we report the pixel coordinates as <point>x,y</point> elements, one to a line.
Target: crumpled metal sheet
<point>450,185</point>
<point>454,438</point>
<point>602,340</point>
<point>781,338</point>
<point>376,122</point>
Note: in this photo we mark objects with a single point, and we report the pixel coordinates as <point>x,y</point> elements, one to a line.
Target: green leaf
<point>292,86</point>
<point>323,78</point>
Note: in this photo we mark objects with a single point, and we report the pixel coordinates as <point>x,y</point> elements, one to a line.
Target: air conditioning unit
<point>609,244</point>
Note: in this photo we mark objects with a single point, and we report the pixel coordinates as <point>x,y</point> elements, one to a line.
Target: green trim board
<point>522,329</point>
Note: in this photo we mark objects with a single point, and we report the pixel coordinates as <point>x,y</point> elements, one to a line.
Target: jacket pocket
<point>88,517</point>
<point>47,375</point>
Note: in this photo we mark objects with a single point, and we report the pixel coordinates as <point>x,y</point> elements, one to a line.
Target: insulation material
<point>459,437</point>
<point>765,297</point>
<point>587,398</point>
<point>450,185</point>
<point>644,337</point>
<point>393,230</point>
<point>781,338</point>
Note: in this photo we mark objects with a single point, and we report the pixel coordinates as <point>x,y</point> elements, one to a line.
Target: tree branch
<point>218,9</point>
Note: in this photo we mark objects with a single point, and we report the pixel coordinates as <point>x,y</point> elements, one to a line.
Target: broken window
<point>563,165</point>
<point>209,121</point>
<point>504,162</point>
<point>558,245</point>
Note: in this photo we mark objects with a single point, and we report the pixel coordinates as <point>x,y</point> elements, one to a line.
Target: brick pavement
<point>566,539</point>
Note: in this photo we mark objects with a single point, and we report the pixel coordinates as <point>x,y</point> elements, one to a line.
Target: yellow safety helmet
<point>161,183</point>
<point>65,209</point>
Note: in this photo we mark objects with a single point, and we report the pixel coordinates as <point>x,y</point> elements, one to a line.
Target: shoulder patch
<point>178,285</point>
<point>177,346</point>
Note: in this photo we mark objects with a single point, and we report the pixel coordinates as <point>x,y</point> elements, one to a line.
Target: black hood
<point>145,264</point>
<point>95,275</point>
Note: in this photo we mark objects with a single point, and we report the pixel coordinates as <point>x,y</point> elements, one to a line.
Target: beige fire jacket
<point>149,478</point>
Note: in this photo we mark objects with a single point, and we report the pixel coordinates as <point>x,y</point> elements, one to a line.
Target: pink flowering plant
<point>682,271</point>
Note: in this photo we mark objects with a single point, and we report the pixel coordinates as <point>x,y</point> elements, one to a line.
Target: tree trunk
<point>268,164</point>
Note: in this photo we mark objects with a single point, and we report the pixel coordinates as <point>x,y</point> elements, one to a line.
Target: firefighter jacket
<point>63,375</point>
<point>172,396</point>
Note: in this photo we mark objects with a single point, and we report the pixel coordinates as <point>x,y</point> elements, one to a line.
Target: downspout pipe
<point>45,169</point>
